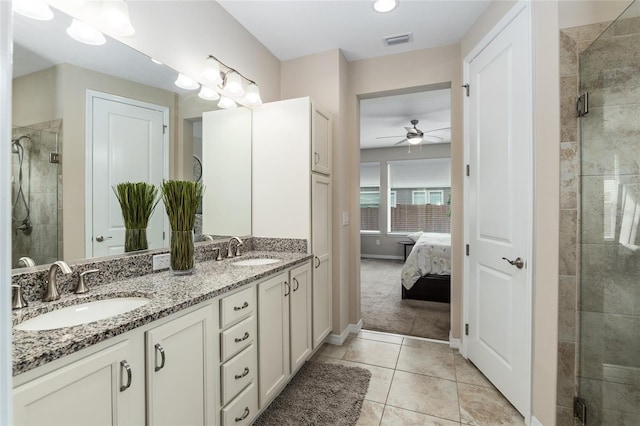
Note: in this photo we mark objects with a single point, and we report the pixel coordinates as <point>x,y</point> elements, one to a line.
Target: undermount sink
<point>82,314</point>
<point>256,261</point>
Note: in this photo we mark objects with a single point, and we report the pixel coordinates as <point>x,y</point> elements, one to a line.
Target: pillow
<point>415,236</point>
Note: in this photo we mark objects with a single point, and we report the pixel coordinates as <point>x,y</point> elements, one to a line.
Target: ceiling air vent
<point>397,39</point>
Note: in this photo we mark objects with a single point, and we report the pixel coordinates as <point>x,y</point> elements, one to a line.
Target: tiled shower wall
<point>572,42</point>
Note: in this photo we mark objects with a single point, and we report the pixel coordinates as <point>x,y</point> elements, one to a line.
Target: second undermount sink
<point>256,261</point>
<point>82,314</point>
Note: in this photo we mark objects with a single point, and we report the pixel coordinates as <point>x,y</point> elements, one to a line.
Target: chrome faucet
<point>229,245</point>
<point>52,287</point>
<point>26,261</point>
<point>207,237</point>
<point>81,287</point>
<point>17,299</point>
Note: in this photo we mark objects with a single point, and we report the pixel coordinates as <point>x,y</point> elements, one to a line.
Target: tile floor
<point>419,382</point>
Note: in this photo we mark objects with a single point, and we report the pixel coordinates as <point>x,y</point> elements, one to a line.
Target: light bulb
<point>233,85</point>
<point>85,33</point>
<point>384,6</point>
<point>415,140</point>
<point>34,9</point>
<point>208,94</point>
<point>253,95</point>
<point>117,14</point>
<point>226,103</point>
<point>186,83</point>
<point>211,71</point>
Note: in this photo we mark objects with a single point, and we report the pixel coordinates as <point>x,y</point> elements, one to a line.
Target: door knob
<point>101,238</point>
<point>518,263</point>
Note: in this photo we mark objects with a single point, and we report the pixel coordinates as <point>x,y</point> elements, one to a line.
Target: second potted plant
<point>137,200</point>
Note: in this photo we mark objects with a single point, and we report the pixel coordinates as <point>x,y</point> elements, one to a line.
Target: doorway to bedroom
<point>405,212</point>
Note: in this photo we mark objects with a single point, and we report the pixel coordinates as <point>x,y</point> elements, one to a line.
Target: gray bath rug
<point>320,394</point>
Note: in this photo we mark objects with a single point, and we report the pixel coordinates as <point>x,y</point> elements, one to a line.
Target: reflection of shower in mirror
<point>20,207</point>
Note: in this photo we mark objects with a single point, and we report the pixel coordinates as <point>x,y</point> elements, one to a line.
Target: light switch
<point>345,218</point>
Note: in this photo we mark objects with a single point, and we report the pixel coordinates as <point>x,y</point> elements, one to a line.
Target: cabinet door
<point>300,308</point>
<point>180,371</point>
<point>94,390</point>
<point>321,129</point>
<point>273,335</point>
<point>321,248</point>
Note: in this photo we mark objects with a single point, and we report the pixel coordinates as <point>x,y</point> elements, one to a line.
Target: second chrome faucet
<point>52,293</point>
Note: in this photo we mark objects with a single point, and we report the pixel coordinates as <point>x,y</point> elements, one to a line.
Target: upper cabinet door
<point>320,140</point>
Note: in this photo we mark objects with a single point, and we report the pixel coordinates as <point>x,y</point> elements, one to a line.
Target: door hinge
<point>164,129</point>
<point>580,410</point>
<point>582,104</point>
<point>468,170</point>
<point>466,250</point>
<point>466,329</point>
<point>466,87</point>
<point>162,235</point>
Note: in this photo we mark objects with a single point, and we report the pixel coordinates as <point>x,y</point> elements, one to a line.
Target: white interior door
<point>499,211</point>
<point>128,144</point>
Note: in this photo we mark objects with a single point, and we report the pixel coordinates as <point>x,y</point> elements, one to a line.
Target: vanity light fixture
<point>253,95</point>
<point>230,82</point>
<point>186,83</point>
<point>85,33</point>
<point>208,94</point>
<point>384,6</point>
<point>211,71</point>
<point>233,84</point>
<point>155,61</point>
<point>116,13</point>
<point>34,9</point>
<point>226,103</point>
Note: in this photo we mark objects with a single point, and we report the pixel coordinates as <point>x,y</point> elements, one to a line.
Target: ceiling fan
<point>414,135</point>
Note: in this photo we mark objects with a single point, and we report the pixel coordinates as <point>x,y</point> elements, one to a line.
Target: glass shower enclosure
<point>608,374</point>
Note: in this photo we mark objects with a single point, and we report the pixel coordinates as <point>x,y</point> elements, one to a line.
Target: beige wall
<point>378,76</point>
<point>35,98</point>
<point>573,13</point>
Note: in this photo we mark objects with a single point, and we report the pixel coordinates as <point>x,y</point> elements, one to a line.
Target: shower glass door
<point>609,359</point>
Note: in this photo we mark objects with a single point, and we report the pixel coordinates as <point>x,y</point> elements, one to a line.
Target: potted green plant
<point>137,201</point>
<point>181,201</point>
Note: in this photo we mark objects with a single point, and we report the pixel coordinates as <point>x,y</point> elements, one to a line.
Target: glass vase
<point>135,239</point>
<point>182,253</point>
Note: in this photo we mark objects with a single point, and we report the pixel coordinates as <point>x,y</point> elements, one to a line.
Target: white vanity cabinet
<point>180,364</point>
<point>104,388</point>
<point>292,189</point>
<point>284,315</point>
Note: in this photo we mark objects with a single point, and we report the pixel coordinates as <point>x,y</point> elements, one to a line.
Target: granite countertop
<point>168,293</point>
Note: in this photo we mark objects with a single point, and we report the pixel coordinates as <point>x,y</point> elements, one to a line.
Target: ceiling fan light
<point>85,33</point>
<point>116,13</point>
<point>208,94</point>
<point>226,103</point>
<point>414,140</point>
<point>233,85</point>
<point>34,9</point>
<point>253,95</point>
<point>384,6</point>
<point>186,83</point>
<point>211,71</point>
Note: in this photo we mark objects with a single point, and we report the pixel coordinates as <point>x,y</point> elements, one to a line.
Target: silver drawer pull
<point>160,349</point>
<point>239,308</point>
<point>124,364</point>
<point>243,338</point>
<point>244,374</point>
<point>244,415</point>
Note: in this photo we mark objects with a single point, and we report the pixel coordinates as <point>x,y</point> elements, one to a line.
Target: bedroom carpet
<point>320,394</point>
<point>383,308</point>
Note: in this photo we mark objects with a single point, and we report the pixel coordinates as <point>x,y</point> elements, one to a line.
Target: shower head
<point>16,145</point>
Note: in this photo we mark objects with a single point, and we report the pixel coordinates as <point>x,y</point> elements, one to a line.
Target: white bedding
<point>430,255</point>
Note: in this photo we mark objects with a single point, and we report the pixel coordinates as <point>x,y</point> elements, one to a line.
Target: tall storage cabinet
<point>292,189</point>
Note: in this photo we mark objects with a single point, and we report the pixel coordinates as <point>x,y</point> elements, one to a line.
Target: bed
<point>426,274</point>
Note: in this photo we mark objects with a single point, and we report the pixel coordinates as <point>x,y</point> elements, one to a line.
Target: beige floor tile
<point>398,417</point>
<point>380,337</point>
<point>483,406</point>
<point>373,353</point>
<point>333,351</point>
<point>379,384</point>
<point>431,363</point>
<point>424,394</point>
<point>467,373</point>
<point>371,414</point>
<point>427,345</point>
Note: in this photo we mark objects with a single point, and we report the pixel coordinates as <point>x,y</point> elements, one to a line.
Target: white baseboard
<point>454,343</point>
<point>380,256</point>
<point>339,339</point>
<point>535,422</point>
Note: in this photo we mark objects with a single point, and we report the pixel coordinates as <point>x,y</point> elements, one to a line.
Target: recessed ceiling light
<point>384,6</point>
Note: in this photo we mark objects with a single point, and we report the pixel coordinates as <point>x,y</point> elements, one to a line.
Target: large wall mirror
<point>86,117</point>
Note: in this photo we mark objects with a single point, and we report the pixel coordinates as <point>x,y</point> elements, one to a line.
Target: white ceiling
<point>295,28</point>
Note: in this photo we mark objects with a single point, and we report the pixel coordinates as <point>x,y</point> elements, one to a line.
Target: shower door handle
<point>101,238</point>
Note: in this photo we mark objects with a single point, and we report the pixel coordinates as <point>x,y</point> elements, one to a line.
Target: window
<point>435,197</point>
<point>419,197</point>
<point>392,198</point>
<point>370,197</point>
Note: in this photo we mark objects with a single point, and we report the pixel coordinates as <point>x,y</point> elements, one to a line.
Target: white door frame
<point>88,159</point>
<point>521,6</point>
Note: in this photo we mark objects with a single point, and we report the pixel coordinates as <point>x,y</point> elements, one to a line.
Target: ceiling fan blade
<point>435,130</point>
<point>435,137</point>
<point>402,141</point>
<point>387,137</point>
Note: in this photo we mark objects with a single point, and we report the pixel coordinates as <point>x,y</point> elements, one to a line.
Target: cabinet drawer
<point>237,306</point>
<point>237,338</point>
<point>243,409</point>
<point>237,373</point>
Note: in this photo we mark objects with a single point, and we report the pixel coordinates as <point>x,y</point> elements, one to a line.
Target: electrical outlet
<point>377,242</point>
<point>161,261</point>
